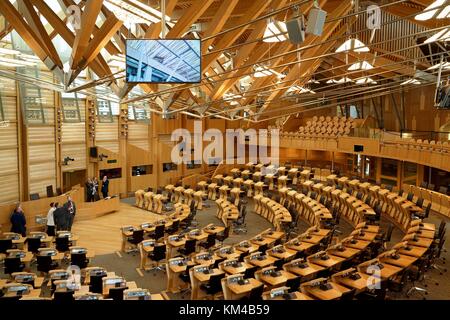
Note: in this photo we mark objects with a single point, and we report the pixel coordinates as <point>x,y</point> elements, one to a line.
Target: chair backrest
<point>159,252</point>
<point>278,264</point>
<point>400,192</point>
<point>322,199</point>
<point>12,264</point>
<point>63,296</point>
<point>175,226</point>
<point>419,202</point>
<point>189,246</point>
<point>424,184</point>
<point>388,236</point>
<point>359,195</point>
<point>441,229</point>
<point>389,187</point>
<point>226,233</point>
<point>256,293</point>
<point>215,282</point>
<point>62,244</point>
<point>138,235</point>
<point>33,244</point>
<point>211,239</point>
<point>368,200</point>
<point>5,244</point>
<point>78,259</point>
<point>410,196</point>
<point>44,263</point>
<point>250,272</point>
<point>427,210</point>
<point>293,284</point>
<point>431,186</point>
<point>159,231</point>
<point>116,293</point>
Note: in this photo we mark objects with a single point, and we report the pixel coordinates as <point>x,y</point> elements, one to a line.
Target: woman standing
<point>105,186</point>
<point>51,219</point>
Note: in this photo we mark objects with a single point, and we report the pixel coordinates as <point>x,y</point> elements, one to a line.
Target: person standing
<point>95,189</point>
<point>18,221</point>
<point>60,218</point>
<point>51,220</point>
<point>70,211</point>
<point>89,190</point>
<point>105,187</point>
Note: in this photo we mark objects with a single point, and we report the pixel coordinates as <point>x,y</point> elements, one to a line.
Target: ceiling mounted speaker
<point>316,21</point>
<point>296,30</point>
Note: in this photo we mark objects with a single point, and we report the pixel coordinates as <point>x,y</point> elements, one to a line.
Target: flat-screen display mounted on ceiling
<point>163,61</point>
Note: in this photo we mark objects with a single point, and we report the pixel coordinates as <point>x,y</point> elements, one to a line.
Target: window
<point>70,109</point>
<point>104,111</point>
<point>115,173</point>
<point>389,168</point>
<point>139,112</point>
<point>169,166</point>
<point>142,170</point>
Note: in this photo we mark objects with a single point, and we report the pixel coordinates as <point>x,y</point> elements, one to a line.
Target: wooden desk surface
<point>403,261</point>
<point>315,239</point>
<point>414,251</point>
<point>288,253</point>
<point>263,263</point>
<point>300,247</point>
<point>426,234</point>
<point>274,234</point>
<point>334,293</point>
<point>297,296</point>
<point>421,242</point>
<point>235,270</point>
<point>264,241</point>
<point>321,232</point>
<point>332,261</point>
<point>252,248</point>
<point>346,254</point>
<point>360,244</point>
<point>367,236</point>
<point>200,276</point>
<point>217,229</point>
<point>278,280</point>
<point>360,284</point>
<point>303,272</point>
<point>242,289</point>
<point>388,271</point>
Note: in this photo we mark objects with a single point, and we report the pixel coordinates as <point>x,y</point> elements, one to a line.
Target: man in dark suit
<point>105,187</point>
<point>60,219</point>
<point>18,221</point>
<point>70,211</point>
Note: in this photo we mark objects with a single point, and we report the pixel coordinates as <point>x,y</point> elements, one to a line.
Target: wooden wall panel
<point>41,158</point>
<point>73,145</point>
<point>138,135</point>
<point>107,135</point>
<point>9,168</point>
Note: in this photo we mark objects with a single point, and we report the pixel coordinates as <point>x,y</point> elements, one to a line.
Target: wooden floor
<point>103,235</point>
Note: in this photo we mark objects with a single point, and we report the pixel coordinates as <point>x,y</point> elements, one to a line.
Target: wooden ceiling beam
<point>299,71</point>
<point>83,35</point>
<point>189,17</point>
<point>217,23</point>
<point>27,33</point>
<point>230,37</point>
<point>27,10</point>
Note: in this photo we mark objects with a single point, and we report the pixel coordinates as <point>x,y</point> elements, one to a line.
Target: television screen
<point>163,61</point>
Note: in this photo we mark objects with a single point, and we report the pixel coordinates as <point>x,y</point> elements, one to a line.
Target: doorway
<point>73,178</point>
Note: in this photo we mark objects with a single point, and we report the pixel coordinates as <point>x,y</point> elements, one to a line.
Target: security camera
<point>67,160</point>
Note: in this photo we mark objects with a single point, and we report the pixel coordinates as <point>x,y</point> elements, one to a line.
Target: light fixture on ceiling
<point>445,66</point>
<point>443,35</point>
<point>332,81</point>
<point>439,13</point>
<point>410,81</point>
<point>366,80</point>
<point>263,71</point>
<point>363,65</point>
<point>353,45</point>
<point>313,81</point>
<point>275,31</point>
<point>300,89</point>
